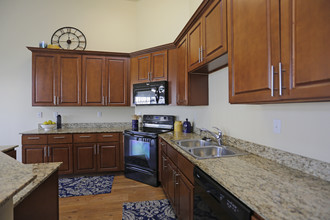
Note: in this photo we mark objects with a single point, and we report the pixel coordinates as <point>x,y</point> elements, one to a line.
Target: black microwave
<point>150,93</point>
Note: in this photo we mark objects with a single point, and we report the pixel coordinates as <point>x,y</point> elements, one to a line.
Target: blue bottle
<point>186,126</point>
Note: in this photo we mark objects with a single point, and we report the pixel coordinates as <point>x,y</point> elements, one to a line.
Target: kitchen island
<point>19,181</point>
<point>271,190</point>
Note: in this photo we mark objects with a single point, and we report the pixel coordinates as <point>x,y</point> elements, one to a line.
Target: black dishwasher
<point>212,201</point>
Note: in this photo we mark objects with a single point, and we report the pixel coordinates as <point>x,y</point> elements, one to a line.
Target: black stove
<point>141,148</point>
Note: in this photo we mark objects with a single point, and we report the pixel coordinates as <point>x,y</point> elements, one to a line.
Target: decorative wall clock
<point>69,38</point>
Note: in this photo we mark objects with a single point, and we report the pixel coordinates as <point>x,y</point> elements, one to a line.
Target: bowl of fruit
<point>48,125</point>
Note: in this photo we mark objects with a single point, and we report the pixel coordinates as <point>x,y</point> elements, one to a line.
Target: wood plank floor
<point>108,206</point>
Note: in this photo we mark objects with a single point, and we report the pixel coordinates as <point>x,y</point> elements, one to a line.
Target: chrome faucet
<point>218,136</point>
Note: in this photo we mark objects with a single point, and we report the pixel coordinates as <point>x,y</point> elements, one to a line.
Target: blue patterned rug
<point>148,210</point>
<point>84,185</point>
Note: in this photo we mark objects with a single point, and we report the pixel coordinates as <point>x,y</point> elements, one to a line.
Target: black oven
<point>151,93</point>
<point>141,148</point>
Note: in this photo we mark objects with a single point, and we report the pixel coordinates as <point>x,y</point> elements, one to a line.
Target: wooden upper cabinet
<point>305,49</point>
<point>276,53</point>
<point>69,80</point>
<point>195,46</point>
<point>56,79</point>
<point>116,69</point>
<point>182,74</point>
<point>94,81</point>
<point>207,39</point>
<point>149,67</point>
<point>104,81</point>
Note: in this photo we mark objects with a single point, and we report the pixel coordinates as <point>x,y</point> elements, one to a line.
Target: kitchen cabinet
<point>277,53</point>
<point>191,88</point>
<point>177,180</point>
<point>97,152</point>
<point>105,81</point>
<point>207,38</point>
<point>149,67</point>
<point>48,148</point>
<point>56,79</point>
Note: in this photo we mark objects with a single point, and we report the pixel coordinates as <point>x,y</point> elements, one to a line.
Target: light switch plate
<point>99,114</point>
<point>39,114</point>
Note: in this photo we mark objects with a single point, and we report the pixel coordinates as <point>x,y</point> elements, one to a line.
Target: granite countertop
<point>78,130</point>
<point>13,177</point>
<point>272,190</point>
<point>5,148</point>
<point>42,171</point>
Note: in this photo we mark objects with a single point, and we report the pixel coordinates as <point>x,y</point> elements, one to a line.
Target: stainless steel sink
<point>194,143</point>
<point>201,149</point>
<point>210,152</point>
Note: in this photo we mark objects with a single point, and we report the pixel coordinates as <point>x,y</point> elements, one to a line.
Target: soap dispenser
<point>186,126</point>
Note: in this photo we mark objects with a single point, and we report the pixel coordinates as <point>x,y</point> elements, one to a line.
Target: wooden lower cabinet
<point>178,187</point>
<point>79,153</point>
<point>85,158</point>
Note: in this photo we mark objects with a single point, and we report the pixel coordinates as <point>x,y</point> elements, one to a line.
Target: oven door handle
<point>130,134</point>
<point>139,170</point>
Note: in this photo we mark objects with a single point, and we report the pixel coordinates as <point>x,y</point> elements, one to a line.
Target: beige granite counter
<point>5,148</point>
<point>42,171</point>
<point>272,190</point>
<point>73,130</point>
<point>13,177</point>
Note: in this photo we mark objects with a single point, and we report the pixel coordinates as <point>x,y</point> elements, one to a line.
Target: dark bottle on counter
<point>59,121</point>
<point>186,126</point>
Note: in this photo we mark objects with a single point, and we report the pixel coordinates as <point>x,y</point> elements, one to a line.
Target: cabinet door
<point>195,42</point>
<point>116,69</point>
<point>94,81</point>
<point>215,31</point>
<point>62,153</point>
<point>305,49</point>
<point>158,71</point>
<point>34,154</point>
<point>253,47</point>
<point>108,156</point>
<point>44,68</point>
<point>84,158</point>
<point>171,173</point>
<point>143,68</point>
<point>185,192</point>
<point>182,74</point>
<point>69,80</point>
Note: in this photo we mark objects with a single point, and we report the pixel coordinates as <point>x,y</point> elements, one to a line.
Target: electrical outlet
<point>55,114</point>
<point>99,114</point>
<point>39,114</point>
<point>277,126</point>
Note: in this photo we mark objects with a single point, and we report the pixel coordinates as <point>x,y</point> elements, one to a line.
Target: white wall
<point>304,126</point>
<point>109,25</point>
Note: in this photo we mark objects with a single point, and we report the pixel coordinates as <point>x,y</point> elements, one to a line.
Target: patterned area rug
<point>148,210</point>
<point>84,185</point>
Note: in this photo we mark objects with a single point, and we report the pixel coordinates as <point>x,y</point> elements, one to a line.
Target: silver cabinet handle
<point>59,137</point>
<point>176,182</point>
<point>164,166</point>
<point>107,135</point>
<point>199,55</point>
<point>45,151</point>
<point>33,138</point>
<point>280,78</point>
<point>272,81</point>
<point>54,99</point>
<point>85,136</point>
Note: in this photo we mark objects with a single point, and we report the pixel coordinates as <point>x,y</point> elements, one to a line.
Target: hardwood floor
<point>108,206</point>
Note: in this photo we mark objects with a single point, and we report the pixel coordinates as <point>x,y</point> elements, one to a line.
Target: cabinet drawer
<point>59,138</point>
<point>172,154</point>
<point>84,138</point>
<point>34,139</point>
<point>186,167</point>
<point>107,137</point>
<point>162,145</point>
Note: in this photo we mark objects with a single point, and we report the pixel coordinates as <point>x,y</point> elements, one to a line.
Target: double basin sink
<point>201,149</point>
